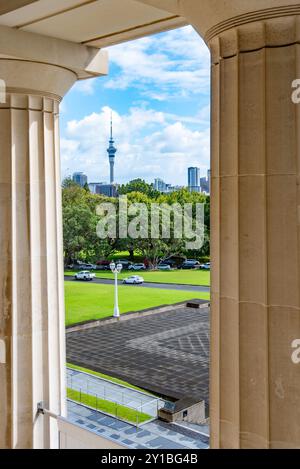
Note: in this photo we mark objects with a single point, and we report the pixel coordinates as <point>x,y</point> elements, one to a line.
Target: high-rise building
<point>80,179</point>
<point>205,183</point>
<point>109,190</point>
<point>93,186</point>
<point>103,188</point>
<point>160,185</point>
<point>194,179</point>
<point>164,187</point>
<point>111,154</point>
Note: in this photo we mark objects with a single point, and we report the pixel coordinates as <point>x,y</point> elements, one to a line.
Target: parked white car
<point>134,279</point>
<point>84,275</point>
<point>205,266</point>
<point>163,266</point>
<point>137,267</point>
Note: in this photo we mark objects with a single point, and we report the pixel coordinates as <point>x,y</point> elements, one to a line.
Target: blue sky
<point>158,90</point>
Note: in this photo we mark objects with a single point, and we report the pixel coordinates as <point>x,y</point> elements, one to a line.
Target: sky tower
<point>111,154</point>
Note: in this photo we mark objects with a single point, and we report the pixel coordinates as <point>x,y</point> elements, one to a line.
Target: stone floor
<point>166,353</point>
<point>153,435</point>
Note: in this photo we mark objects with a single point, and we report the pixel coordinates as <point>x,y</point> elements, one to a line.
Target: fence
<point>123,405</point>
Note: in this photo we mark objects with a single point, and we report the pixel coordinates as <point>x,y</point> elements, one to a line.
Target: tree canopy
<point>81,218</point>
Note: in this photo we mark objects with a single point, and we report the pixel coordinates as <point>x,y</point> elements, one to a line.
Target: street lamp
<point>116,269</point>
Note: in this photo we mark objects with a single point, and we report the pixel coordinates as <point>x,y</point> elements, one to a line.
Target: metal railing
<point>136,414</point>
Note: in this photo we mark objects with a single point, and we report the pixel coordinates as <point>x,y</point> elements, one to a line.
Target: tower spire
<point>111,126</point>
<point>111,152</point>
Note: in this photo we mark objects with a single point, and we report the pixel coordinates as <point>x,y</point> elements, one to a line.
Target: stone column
<point>255,316</point>
<point>255,215</point>
<point>32,336</point>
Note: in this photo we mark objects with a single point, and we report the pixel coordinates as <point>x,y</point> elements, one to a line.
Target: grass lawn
<point>186,277</point>
<point>109,378</point>
<point>117,410</point>
<point>85,301</point>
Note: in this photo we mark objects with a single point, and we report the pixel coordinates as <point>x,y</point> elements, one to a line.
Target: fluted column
<point>255,216</point>
<point>32,339</point>
<point>255,386</point>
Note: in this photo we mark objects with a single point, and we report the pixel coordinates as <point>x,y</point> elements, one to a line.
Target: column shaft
<point>255,386</point>
<point>32,365</point>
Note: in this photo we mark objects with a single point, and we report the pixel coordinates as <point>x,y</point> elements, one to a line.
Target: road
<point>164,286</point>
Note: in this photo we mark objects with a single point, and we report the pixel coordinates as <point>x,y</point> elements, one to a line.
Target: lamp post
<point>116,269</point>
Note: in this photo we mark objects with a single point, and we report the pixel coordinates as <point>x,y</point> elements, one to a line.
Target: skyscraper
<point>194,179</point>
<point>111,154</point>
<point>205,183</point>
<point>80,178</point>
<point>160,185</point>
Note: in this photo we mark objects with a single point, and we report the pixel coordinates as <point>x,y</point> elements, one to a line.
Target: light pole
<point>116,269</point>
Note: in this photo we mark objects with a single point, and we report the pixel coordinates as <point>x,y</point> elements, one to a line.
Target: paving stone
<point>91,426</point>
<point>147,437</point>
<point>167,353</point>
<point>128,442</point>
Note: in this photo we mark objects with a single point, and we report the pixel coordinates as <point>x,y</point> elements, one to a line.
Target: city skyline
<point>160,109</point>
<point>159,184</point>
<point>194,180</point>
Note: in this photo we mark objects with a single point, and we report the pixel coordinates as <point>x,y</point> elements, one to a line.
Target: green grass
<point>185,277</point>
<point>109,378</point>
<point>87,301</point>
<point>116,410</point>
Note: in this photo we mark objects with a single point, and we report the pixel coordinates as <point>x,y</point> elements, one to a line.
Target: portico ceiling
<point>97,23</point>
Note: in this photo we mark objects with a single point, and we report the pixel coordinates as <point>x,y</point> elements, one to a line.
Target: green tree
<point>139,185</point>
<point>79,224</point>
<point>80,221</point>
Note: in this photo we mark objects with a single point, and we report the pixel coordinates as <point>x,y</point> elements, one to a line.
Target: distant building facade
<point>109,190</point>
<point>80,179</point>
<point>160,185</point>
<point>194,179</point>
<point>175,188</point>
<point>205,183</point>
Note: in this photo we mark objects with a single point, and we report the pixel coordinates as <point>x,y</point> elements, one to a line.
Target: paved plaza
<point>153,435</point>
<point>166,352</point>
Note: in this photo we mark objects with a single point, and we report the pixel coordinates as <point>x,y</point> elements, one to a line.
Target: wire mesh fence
<point>118,406</point>
<point>109,391</point>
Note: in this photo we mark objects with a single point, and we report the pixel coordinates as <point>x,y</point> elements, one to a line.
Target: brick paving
<point>166,352</point>
<point>153,435</point>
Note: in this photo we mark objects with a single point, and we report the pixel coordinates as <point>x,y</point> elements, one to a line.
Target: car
<point>191,264</point>
<point>137,267</point>
<point>174,261</point>
<point>85,266</point>
<point>89,266</point>
<point>84,275</point>
<point>164,266</point>
<point>125,263</point>
<point>103,265</point>
<point>134,279</point>
<point>205,266</point>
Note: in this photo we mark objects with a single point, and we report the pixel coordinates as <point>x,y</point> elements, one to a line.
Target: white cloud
<point>177,63</point>
<point>150,144</point>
